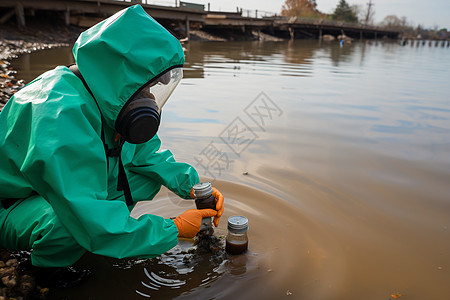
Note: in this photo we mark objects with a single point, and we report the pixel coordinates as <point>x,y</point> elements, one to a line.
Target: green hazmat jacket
<point>50,139</point>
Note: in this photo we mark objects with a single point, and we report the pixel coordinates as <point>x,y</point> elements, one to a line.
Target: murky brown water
<point>346,158</point>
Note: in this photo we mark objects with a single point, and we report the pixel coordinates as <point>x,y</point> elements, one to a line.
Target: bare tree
<point>393,22</point>
<point>300,8</point>
<point>370,13</point>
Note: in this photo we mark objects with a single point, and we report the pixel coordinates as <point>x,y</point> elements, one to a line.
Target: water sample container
<point>204,199</point>
<point>237,239</point>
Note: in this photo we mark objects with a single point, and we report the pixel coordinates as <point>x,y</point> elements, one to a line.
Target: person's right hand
<point>219,204</point>
<point>189,222</point>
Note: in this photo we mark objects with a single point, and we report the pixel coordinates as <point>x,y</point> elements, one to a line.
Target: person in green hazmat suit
<point>78,149</point>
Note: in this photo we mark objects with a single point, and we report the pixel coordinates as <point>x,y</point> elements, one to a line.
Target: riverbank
<point>14,42</point>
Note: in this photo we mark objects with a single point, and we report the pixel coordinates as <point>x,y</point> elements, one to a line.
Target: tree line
<point>359,14</point>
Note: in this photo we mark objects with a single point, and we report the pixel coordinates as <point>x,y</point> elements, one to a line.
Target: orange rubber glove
<point>219,204</point>
<point>189,222</point>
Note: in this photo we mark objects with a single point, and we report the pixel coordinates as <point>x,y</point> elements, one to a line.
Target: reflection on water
<point>346,188</point>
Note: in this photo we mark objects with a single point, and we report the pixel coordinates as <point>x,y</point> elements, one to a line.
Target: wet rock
<point>16,282</point>
<point>328,38</point>
<point>12,263</point>
<point>8,277</point>
<point>44,292</point>
<point>27,284</point>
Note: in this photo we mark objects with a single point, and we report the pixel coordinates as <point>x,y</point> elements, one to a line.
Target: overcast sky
<point>429,13</point>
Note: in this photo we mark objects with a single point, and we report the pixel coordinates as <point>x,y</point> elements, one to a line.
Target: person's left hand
<point>219,204</point>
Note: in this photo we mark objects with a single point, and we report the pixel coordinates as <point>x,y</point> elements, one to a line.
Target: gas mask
<point>139,119</point>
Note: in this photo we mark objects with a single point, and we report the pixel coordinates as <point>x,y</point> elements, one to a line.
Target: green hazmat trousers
<point>53,159</point>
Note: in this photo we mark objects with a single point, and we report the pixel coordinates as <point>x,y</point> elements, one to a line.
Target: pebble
<point>12,263</point>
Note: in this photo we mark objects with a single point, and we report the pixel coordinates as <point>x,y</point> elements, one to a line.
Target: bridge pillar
<point>187,27</point>
<point>67,17</point>
<point>361,35</point>
<point>291,32</point>
<point>320,33</point>
<point>20,14</point>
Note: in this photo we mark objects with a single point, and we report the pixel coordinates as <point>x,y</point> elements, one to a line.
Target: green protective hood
<point>119,55</point>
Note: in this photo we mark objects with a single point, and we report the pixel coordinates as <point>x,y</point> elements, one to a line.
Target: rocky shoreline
<point>16,283</point>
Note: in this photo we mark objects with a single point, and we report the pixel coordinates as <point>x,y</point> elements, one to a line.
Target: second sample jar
<point>237,239</point>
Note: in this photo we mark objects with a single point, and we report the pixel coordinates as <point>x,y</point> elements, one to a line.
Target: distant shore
<point>40,35</point>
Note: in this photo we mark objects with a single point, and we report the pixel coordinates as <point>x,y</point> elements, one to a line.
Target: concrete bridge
<point>85,13</point>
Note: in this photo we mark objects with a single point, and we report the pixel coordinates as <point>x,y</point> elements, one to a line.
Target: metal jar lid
<point>238,224</point>
<point>202,189</point>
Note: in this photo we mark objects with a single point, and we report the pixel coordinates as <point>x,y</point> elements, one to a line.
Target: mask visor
<point>162,87</point>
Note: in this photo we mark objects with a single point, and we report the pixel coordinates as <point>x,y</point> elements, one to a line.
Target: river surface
<point>338,156</point>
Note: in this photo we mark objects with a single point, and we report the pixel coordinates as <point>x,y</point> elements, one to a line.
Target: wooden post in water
<point>187,27</point>
<point>20,15</point>
<point>320,33</point>
<point>361,35</point>
<point>291,33</point>
<point>67,16</point>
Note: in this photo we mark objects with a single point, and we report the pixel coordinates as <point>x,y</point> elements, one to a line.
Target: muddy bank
<point>225,35</point>
<point>14,42</point>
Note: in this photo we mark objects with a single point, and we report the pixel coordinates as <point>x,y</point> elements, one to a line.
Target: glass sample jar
<point>237,239</point>
<point>204,198</point>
